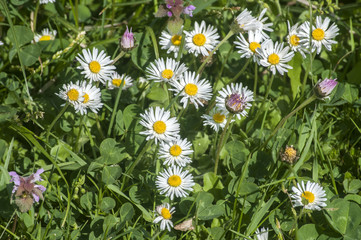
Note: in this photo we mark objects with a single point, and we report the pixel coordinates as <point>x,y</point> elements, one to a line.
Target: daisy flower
<point>116,80</point>
<point>235,99</point>
<point>174,182</point>
<point>47,1</point>
<point>216,119</point>
<point>176,152</point>
<point>293,39</point>
<point>246,22</point>
<point>73,93</point>
<point>96,67</point>
<point>262,234</point>
<point>322,34</point>
<point>160,126</point>
<point>202,39</point>
<point>192,89</point>
<point>165,71</point>
<point>46,35</point>
<point>248,48</point>
<point>164,213</point>
<point>311,196</point>
<point>275,56</point>
<point>171,42</point>
<point>91,99</point>
<point>262,26</point>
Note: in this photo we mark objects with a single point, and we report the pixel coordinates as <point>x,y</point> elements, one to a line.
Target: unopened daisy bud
<point>127,41</point>
<point>289,155</point>
<point>324,88</point>
<point>235,103</point>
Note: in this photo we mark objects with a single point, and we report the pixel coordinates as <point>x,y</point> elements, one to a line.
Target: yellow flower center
<point>174,180</point>
<point>73,94</point>
<point>175,150</point>
<point>273,59</point>
<point>310,197</point>
<point>167,73</point>
<point>86,98</point>
<point>199,39</point>
<point>219,118</point>
<point>191,89</point>
<point>290,152</point>
<point>94,66</point>
<point>166,214</point>
<point>176,40</point>
<point>117,82</point>
<point>294,40</point>
<point>253,46</point>
<point>159,127</point>
<point>45,38</point>
<point>318,34</point>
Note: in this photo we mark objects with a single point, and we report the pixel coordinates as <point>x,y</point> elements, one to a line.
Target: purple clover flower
<point>127,40</point>
<point>25,189</point>
<point>324,88</point>
<point>189,10</point>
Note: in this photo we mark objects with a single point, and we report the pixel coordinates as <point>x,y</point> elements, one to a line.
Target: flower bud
<point>235,103</point>
<point>127,41</point>
<point>324,88</point>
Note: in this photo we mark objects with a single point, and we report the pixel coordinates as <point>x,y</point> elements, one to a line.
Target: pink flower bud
<point>324,88</point>
<point>127,41</point>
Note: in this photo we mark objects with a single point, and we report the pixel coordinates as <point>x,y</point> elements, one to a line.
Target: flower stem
<point>255,80</point>
<point>254,120</point>
<point>80,129</point>
<point>55,120</point>
<point>229,34</point>
<point>283,120</point>
<point>241,71</point>
<point>114,112</point>
<point>120,55</point>
<point>221,140</point>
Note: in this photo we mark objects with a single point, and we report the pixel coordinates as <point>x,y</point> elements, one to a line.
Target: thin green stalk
<point>184,110</point>
<point>220,144</point>
<point>120,55</point>
<point>241,71</point>
<point>114,112</point>
<point>255,80</point>
<point>181,46</point>
<point>55,120</point>
<point>144,148</point>
<point>283,120</point>
<point>74,13</point>
<point>254,120</point>
<point>229,34</point>
<point>154,40</point>
<point>36,15</point>
<point>79,133</point>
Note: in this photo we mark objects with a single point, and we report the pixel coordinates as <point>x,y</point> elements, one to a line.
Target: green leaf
<point>87,200</point>
<point>157,94</point>
<point>257,217</point>
<point>107,204</point>
<point>307,232</point>
<point>354,75</point>
<point>343,216</point>
<point>238,152</point>
<point>30,54</point>
<point>6,113</point>
<point>110,174</point>
<point>295,73</point>
<point>19,2</point>
<point>23,35</point>
<point>126,212</point>
<point>130,114</point>
<point>351,93</point>
<point>201,4</point>
<point>212,181</point>
<point>200,144</point>
<point>109,222</point>
<point>352,186</point>
<point>206,210</point>
<point>111,154</point>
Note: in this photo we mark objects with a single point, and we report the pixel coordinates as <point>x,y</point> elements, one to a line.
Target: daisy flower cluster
<point>173,181</point>
<point>97,68</point>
